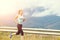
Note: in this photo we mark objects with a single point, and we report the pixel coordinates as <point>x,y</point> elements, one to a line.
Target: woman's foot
<point>11,34</point>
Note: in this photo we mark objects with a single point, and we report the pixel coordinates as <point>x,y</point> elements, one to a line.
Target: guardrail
<point>32,30</point>
<point>36,31</point>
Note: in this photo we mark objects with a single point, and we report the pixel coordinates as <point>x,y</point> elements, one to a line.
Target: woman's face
<point>20,12</point>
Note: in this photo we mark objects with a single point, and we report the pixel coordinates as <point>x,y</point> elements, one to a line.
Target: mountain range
<point>49,22</point>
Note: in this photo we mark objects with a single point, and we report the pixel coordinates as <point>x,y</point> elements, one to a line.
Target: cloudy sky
<point>8,8</point>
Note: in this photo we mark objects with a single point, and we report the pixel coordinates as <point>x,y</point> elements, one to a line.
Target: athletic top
<point>20,19</point>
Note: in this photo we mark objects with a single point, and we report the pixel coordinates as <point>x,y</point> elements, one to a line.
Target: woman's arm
<point>15,19</point>
<point>24,19</point>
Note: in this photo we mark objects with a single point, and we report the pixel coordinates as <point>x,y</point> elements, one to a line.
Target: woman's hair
<point>20,11</point>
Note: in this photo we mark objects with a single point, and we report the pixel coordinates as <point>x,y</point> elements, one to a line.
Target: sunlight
<point>7,7</point>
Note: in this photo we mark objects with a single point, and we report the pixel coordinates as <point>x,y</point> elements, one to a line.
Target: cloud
<point>28,12</point>
<point>53,6</point>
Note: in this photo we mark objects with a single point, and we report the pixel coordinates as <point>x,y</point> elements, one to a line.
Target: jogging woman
<point>19,19</point>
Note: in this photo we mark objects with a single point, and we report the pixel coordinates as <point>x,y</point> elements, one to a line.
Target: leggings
<point>19,26</point>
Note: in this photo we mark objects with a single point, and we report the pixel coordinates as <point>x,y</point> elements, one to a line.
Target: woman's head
<point>20,12</point>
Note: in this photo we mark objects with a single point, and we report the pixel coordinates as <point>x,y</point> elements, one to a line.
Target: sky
<point>9,8</point>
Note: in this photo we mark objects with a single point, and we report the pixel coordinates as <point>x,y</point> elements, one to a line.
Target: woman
<point>19,19</point>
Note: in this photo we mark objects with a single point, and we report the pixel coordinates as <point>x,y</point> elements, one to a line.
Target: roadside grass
<point>5,36</point>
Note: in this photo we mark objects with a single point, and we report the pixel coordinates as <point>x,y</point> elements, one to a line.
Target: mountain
<point>49,22</point>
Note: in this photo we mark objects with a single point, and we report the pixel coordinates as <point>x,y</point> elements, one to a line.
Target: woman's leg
<point>22,33</point>
<point>19,26</point>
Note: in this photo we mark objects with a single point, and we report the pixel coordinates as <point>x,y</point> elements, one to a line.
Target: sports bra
<point>20,19</point>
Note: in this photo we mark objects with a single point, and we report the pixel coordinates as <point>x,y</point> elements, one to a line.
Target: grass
<point>5,36</point>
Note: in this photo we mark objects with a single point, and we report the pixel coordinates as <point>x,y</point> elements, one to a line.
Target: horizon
<point>38,9</point>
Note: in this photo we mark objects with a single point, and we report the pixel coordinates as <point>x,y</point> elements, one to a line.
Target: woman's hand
<point>24,19</point>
